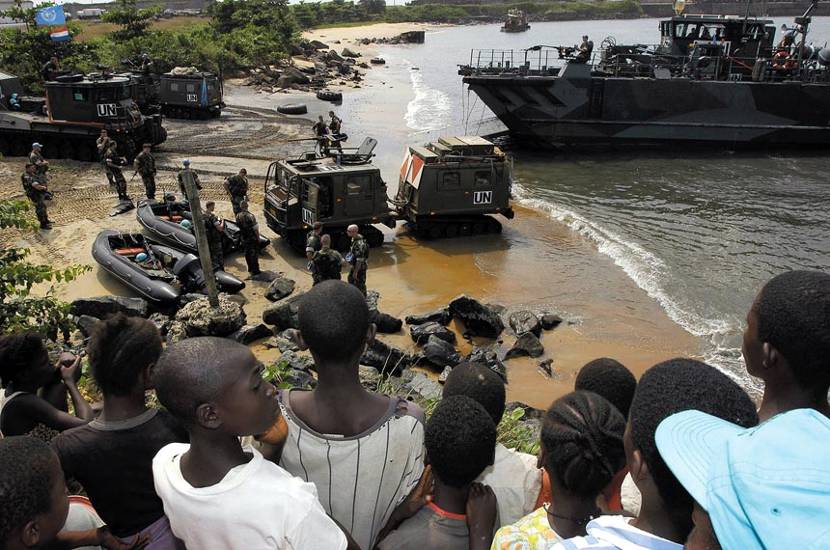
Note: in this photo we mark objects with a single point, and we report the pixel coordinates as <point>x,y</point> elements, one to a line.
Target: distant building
<point>73,8</point>
<point>7,4</point>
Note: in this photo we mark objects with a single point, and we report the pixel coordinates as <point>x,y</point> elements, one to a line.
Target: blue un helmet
<point>141,257</point>
<point>186,224</point>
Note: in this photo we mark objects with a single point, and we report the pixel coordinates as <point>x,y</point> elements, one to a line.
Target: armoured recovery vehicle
<point>179,93</point>
<point>71,115</point>
<point>446,189</point>
<point>712,80</point>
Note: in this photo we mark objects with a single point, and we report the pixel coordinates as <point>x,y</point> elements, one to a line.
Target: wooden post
<point>201,237</point>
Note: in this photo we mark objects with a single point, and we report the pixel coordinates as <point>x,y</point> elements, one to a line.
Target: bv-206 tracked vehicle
<point>179,93</point>
<point>446,189</point>
<point>71,115</point>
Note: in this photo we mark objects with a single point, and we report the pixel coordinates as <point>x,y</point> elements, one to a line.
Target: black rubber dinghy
<point>167,274</point>
<point>163,223</point>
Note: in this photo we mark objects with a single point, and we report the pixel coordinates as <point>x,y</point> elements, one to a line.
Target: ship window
<point>80,94</point>
<point>483,179</point>
<point>450,181</point>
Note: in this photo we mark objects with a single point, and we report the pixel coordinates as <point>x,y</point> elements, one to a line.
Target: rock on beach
<point>104,306</point>
<point>478,319</point>
<point>200,319</point>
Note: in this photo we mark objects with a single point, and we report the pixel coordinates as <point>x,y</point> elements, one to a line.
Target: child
<point>460,442</point>
<point>514,477</point>
<point>112,456</point>
<point>787,342</point>
<point>218,494</point>
<point>581,450</point>
<point>665,516</point>
<point>363,451</point>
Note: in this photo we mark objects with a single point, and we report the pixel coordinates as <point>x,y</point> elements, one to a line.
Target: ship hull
<point>576,108</point>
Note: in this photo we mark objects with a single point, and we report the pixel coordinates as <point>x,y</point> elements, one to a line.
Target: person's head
<point>243,172</point>
<point>146,147</point>
<point>243,205</point>
<point>30,168</point>
<point>460,441</point>
<point>103,133</point>
<point>122,351</point>
<point>334,323</point>
<point>582,444</point>
<point>667,388</point>
<point>585,37</point>
<point>761,487</point>
<point>53,59</point>
<point>787,338</point>
<point>331,114</point>
<point>352,230</point>
<point>24,360</point>
<point>37,146</point>
<point>33,500</point>
<point>186,163</point>
<point>479,383</point>
<point>210,205</point>
<point>215,385</point>
<point>320,118</point>
<point>317,227</point>
<point>325,241</point>
<point>113,145</point>
<point>610,379</point>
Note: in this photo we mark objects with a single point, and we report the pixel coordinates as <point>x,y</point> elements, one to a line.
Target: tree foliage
<point>20,309</point>
<point>133,22</point>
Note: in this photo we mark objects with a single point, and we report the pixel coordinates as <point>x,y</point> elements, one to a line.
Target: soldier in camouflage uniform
<point>312,240</point>
<point>327,262</point>
<point>249,232</point>
<point>145,165</point>
<point>237,188</point>
<point>112,166</point>
<point>215,230</point>
<point>180,178</point>
<point>35,190</point>
<point>36,159</point>
<point>103,144</point>
<point>359,257</point>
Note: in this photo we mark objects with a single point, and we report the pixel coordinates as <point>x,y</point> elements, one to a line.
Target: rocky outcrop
<point>296,361</point>
<point>176,333</point>
<point>101,307</point>
<point>317,45</point>
<point>526,345</point>
<point>161,321</point>
<point>438,316</point>
<point>349,53</point>
<point>291,76</point>
<point>478,319</point>
<point>251,333</point>
<point>421,384</point>
<point>440,353</point>
<point>550,321</point>
<point>86,324</point>
<point>489,357</point>
<point>525,321</point>
<point>387,359</point>
<point>201,319</point>
<point>280,288</point>
<point>283,314</point>
<point>385,323</point>
<point>421,333</point>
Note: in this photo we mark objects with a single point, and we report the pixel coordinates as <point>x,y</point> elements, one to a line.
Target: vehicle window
<point>191,87</point>
<point>356,185</point>
<point>106,94</point>
<point>80,94</point>
<point>483,179</point>
<point>450,181</point>
<point>174,87</point>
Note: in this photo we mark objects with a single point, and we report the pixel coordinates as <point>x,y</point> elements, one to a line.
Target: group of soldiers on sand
<point>326,263</point>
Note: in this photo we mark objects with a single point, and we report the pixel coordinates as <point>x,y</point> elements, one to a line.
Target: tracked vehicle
<point>448,188</point>
<point>71,115</point>
<point>179,93</point>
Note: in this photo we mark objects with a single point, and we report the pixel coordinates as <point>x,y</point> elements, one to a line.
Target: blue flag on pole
<point>53,15</point>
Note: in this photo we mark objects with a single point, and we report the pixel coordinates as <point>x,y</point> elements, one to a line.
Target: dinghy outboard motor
<point>189,272</point>
<point>824,56</point>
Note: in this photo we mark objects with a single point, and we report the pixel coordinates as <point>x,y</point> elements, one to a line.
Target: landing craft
<point>711,80</point>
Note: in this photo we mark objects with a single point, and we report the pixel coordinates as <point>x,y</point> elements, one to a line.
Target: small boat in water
<point>163,222</point>
<point>516,21</point>
<point>161,277</point>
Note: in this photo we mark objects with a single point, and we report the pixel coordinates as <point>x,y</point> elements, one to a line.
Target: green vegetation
<point>19,308</point>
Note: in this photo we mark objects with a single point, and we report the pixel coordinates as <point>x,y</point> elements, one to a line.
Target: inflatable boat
<point>161,277</point>
<point>163,221</point>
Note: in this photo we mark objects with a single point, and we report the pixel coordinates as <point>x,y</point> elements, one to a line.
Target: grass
<point>95,29</point>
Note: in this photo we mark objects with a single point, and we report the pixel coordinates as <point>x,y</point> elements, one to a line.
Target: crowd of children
<point>680,457</point>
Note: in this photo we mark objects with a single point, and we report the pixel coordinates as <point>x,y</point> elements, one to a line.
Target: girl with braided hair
<point>581,451</point>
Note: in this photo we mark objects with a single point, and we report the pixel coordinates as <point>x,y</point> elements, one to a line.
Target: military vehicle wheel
<point>479,228</point>
<point>452,231</point>
<point>436,232</point>
<point>465,230</point>
<point>66,149</point>
<point>493,226</point>
<point>328,95</point>
<point>293,109</point>
<point>84,152</point>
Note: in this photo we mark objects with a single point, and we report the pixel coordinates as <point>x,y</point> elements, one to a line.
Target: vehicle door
<point>310,201</point>
<point>360,195</point>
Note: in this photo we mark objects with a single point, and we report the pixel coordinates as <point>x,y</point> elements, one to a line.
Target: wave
<point>650,273</point>
<point>430,109</point>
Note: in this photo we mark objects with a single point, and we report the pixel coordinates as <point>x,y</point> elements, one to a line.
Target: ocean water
<point>698,232</point>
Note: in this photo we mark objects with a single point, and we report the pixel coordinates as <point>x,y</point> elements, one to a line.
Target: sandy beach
<point>536,264</point>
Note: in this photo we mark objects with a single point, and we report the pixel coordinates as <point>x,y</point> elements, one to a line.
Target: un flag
<point>53,15</point>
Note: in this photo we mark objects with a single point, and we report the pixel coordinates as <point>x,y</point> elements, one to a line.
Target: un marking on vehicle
<point>308,216</point>
<point>482,197</point>
<point>107,109</point>
<point>192,98</point>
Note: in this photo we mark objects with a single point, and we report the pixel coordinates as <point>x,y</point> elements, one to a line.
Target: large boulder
<point>251,333</point>
<point>489,357</point>
<point>349,53</point>
<point>317,45</point>
<point>385,358</point>
<point>201,319</point>
<point>525,321</point>
<point>421,384</point>
<point>526,345</point>
<point>104,306</point>
<point>438,316</point>
<point>280,288</point>
<point>478,319</point>
<point>550,321</point>
<point>283,314</point>
<point>291,76</point>
<point>440,353</point>
<point>385,323</point>
<point>334,56</point>
<point>421,333</point>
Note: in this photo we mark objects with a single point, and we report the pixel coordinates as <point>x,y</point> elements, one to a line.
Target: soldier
<point>145,165</point>
<point>585,50</point>
<point>50,69</point>
<point>103,144</point>
<point>35,190</point>
<point>327,262</point>
<point>237,188</point>
<point>36,158</point>
<point>249,232</point>
<point>215,229</point>
<point>112,166</point>
<point>320,129</point>
<point>312,240</point>
<point>358,256</point>
<point>335,126</point>
<point>180,178</point>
